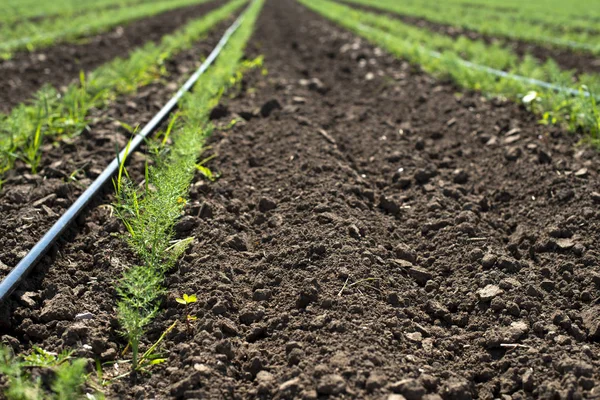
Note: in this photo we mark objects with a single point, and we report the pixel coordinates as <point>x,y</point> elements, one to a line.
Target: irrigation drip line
<point>504,74</point>
<point>494,71</point>
<point>14,278</point>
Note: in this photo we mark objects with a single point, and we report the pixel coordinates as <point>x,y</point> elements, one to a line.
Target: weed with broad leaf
<point>186,300</point>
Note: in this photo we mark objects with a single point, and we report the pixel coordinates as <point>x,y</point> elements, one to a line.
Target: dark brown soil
<point>580,62</point>
<point>59,65</point>
<point>377,235</point>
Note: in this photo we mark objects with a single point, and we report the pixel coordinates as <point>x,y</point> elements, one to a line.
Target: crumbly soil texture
<point>374,234</point>
<point>59,65</point>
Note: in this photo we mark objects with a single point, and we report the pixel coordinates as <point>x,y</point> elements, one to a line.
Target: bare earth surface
<point>374,232</point>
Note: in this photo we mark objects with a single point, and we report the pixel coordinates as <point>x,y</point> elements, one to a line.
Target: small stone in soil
<point>298,100</point>
<point>488,260</point>
<point>476,255</point>
<point>565,244</point>
<point>414,337</point>
<point>508,264</point>
<point>422,176</point>
<point>489,292</point>
<point>4,268</point>
<point>249,316</point>
<point>266,204</point>
<point>109,355</point>
<point>510,283</point>
<point>203,369</point>
<point>420,275</point>
<point>219,308</point>
<point>228,327</point>
<point>331,384</point>
<point>409,388</point>
<point>581,173</point>
<point>376,381</point>
<point>460,177</point>
<point>404,252</point>
<point>289,388</point>
<point>591,322</point>
<point>27,299</point>
<point>314,84</point>
<point>85,315</point>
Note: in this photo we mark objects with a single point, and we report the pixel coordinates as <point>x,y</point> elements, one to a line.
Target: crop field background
<point>299,199</point>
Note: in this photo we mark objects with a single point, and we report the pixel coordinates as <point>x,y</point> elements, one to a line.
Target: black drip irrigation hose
<point>14,278</point>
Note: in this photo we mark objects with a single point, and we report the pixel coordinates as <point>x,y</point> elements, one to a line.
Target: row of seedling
<point>150,212</point>
<point>52,114</point>
<point>445,57</point>
<point>22,11</point>
<point>47,32</point>
<point>547,29</point>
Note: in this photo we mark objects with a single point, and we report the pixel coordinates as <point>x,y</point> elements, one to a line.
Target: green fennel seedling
<point>67,376</point>
<point>150,211</point>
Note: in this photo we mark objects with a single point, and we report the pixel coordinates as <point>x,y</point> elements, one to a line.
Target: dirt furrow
<point>374,231</point>
<point>59,65</point>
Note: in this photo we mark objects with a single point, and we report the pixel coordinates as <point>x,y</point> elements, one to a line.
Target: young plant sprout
<point>186,300</point>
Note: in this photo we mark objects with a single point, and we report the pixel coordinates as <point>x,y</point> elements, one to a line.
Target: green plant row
<point>64,380</point>
<point>493,23</point>
<point>583,11</point>
<point>492,55</point>
<point>557,15</point>
<point>28,35</point>
<point>22,10</point>
<point>418,47</point>
<point>52,114</point>
<point>565,20</point>
<point>149,213</point>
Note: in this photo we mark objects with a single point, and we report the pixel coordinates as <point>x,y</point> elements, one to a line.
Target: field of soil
<point>577,61</point>
<point>375,234</point>
<point>27,72</point>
